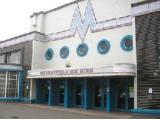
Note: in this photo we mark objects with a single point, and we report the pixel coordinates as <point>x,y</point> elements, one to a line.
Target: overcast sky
<point>15,15</point>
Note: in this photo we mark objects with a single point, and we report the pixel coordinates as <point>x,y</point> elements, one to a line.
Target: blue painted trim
<point>11,70</point>
<point>22,100</point>
<point>49,54</point>
<point>78,49</point>
<point>102,52</point>
<point>10,99</point>
<point>61,52</point>
<point>146,111</point>
<point>20,84</point>
<point>124,39</point>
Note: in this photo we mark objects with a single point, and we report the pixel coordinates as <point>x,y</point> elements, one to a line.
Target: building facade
<point>95,54</point>
<point>15,61</point>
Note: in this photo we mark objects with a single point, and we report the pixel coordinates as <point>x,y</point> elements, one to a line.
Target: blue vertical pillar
<point>51,93</point>
<point>67,94</point>
<point>86,95</point>
<point>108,105</point>
<point>20,84</point>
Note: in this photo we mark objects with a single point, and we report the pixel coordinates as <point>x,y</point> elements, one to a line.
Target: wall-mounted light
<point>68,64</point>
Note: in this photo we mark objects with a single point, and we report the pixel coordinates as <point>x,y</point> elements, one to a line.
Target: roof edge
<point>21,36</point>
<point>57,8</point>
<point>143,2</point>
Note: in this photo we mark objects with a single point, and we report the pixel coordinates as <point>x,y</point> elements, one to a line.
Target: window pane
<point>2,58</point>
<point>14,57</point>
<point>12,84</point>
<point>2,83</point>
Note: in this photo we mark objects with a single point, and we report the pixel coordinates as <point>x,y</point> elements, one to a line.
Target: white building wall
<point>92,59</point>
<point>38,55</point>
<point>60,20</point>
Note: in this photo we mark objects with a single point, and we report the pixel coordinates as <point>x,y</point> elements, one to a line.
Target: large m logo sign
<point>82,26</point>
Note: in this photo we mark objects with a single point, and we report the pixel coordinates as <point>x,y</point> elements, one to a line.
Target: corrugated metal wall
<point>148,43</point>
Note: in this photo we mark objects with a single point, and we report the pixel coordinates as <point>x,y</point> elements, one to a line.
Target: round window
<point>49,54</point>
<point>82,49</point>
<point>127,43</point>
<point>64,52</point>
<point>103,46</point>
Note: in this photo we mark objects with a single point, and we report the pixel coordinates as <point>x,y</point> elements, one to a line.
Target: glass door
<point>121,98</point>
<point>78,95</point>
<point>61,94</point>
<point>124,95</point>
<point>100,95</point>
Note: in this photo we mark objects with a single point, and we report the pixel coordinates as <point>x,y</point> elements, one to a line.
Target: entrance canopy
<point>110,70</point>
<point>4,67</point>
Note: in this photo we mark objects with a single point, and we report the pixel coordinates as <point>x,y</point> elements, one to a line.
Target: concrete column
<point>86,95</point>
<point>32,90</point>
<point>135,61</point>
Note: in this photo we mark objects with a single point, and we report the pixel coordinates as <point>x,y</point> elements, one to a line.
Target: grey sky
<point>15,15</point>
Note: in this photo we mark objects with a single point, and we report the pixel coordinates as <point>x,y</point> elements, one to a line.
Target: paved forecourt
<point>32,111</point>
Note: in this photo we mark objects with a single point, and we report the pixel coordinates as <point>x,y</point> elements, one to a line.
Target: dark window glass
<point>127,43</point>
<point>103,46</point>
<point>49,54</point>
<point>64,52</point>
<point>82,49</point>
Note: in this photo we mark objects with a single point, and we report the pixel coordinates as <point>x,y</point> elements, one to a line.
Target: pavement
<point>35,111</point>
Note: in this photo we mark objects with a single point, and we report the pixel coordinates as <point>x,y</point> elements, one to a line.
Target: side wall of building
<point>148,52</point>
<point>26,61</point>
<point>26,52</point>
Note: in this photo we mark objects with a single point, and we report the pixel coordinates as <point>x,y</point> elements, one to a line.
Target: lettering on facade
<point>67,72</point>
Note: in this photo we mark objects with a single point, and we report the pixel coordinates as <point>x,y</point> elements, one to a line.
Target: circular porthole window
<point>82,49</point>
<point>103,46</point>
<point>64,52</point>
<point>127,43</point>
<point>49,54</point>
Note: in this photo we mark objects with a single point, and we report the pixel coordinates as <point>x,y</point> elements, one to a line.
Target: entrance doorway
<point>124,94</point>
<point>42,91</point>
<point>61,93</point>
<point>100,95</point>
<point>78,98</point>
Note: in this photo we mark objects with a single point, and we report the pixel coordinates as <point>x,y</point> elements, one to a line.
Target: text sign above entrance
<point>112,70</point>
<point>67,72</point>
